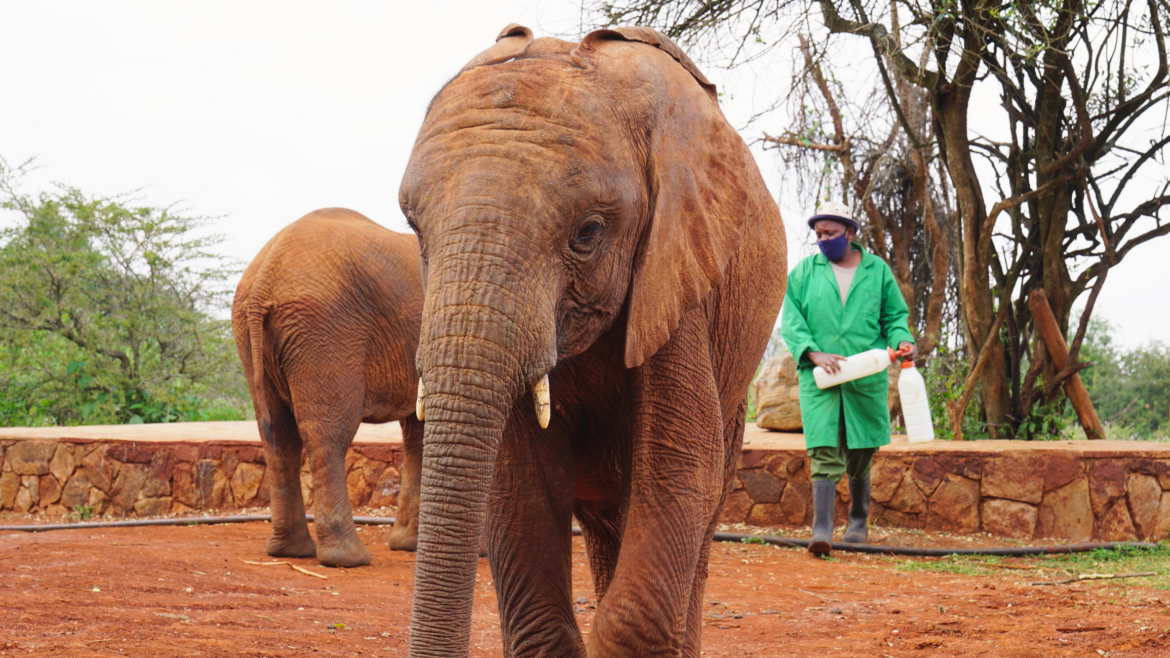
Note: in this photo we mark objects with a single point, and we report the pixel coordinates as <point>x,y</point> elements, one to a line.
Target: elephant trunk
<point>477,356</point>
<point>465,419</point>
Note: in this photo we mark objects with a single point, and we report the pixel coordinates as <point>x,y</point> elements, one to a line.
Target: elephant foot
<point>404,538</point>
<point>298,546</point>
<point>346,553</point>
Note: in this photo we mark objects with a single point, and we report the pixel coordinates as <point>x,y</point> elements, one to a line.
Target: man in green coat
<point>841,302</point>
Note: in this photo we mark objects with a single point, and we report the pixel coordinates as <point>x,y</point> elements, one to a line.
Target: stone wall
<point>1081,493</point>
<point>129,479</point>
<point>1028,494</point>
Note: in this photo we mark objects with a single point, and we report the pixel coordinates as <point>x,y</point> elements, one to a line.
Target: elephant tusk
<point>420,401</point>
<point>540,394</point>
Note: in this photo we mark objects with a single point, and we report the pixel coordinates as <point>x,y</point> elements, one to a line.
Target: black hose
<point>1019,551</point>
<point>193,520</point>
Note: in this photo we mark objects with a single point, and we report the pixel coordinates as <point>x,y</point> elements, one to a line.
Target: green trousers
<point>832,463</point>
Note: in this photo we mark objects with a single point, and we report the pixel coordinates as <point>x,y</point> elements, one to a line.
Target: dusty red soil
<point>186,591</point>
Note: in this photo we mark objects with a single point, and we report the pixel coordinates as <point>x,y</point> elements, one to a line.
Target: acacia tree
<point>1083,88</point>
<point>108,310</point>
<point>832,149</point>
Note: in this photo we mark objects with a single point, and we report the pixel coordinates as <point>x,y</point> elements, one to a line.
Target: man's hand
<point>826,361</point>
<point>910,349</point>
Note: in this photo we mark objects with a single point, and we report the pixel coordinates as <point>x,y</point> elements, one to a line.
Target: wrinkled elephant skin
<point>326,322</point>
<point>584,211</point>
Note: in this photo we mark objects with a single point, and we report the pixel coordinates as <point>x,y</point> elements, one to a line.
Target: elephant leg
<point>282,451</point>
<point>337,542</point>
<point>530,541</point>
<point>676,483</point>
<point>733,441</point>
<point>404,534</point>
<point>602,532</point>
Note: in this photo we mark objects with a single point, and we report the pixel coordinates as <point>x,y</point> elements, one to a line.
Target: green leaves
<point>108,311</point>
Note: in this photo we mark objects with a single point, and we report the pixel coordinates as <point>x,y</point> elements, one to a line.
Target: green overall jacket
<point>874,316</point>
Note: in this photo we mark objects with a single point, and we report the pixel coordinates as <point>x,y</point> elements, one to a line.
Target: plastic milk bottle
<point>915,407</point>
<point>855,367</point>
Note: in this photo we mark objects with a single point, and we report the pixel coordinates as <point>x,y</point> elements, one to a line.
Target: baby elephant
<point>326,321</point>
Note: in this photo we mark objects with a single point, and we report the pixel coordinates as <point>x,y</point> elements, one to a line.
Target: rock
<point>1066,513</point>
<point>907,499</point>
<point>355,485</point>
<point>1008,518</point>
<point>307,486</point>
<point>362,478</point>
<point>761,485</point>
<point>766,514</point>
<point>1144,496</point>
<point>1062,469</point>
<point>156,506</point>
<point>183,486</point>
<point>57,512</point>
<point>50,491</point>
<point>181,509</point>
<point>1162,527</point>
<point>98,501</point>
<point>245,482</point>
<point>9,486</point>
<point>30,457</point>
<point>1115,524</point>
<point>736,509</point>
<point>895,519</point>
<point>1143,465</point>
<point>213,484</point>
<point>1015,476</point>
<point>777,394</point>
<point>966,465</point>
<point>29,493</point>
<point>131,477</point>
<point>927,474</point>
<point>841,501</point>
<point>884,478</point>
<point>385,492</point>
<point>102,471</point>
<point>1106,484</point>
<point>158,483</point>
<point>954,506</point>
<point>1162,468</point>
<point>63,463</point>
<point>76,491</point>
<point>747,459</point>
<point>795,501</point>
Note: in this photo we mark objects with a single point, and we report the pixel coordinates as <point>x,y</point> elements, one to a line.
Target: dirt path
<point>186,591</point>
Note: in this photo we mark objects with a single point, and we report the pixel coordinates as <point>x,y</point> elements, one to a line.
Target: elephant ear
<point>512,42</point>
<point>699,175</point>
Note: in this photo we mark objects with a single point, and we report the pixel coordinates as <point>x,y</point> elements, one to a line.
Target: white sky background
<point>264,111</point>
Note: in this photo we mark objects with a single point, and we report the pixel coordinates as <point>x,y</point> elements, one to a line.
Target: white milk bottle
<point>915,407</point>
<point>855,367</point>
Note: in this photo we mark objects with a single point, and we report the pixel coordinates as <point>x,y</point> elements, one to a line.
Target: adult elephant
<point>326,322</point>
<point>593,230</point>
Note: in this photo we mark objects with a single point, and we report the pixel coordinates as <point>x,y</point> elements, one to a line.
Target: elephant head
<point>559,192</point>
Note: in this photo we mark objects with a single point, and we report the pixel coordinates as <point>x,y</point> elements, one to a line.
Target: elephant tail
<point>257,313</point>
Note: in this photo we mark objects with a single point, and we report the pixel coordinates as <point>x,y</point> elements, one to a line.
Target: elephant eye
<point>587,237</point>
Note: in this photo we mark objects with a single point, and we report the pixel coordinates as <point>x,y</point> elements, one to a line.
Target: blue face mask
<point>834,249</point>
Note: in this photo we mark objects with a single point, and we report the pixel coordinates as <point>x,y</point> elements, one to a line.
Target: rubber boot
<point>824,499</point>
<point>858,530</point>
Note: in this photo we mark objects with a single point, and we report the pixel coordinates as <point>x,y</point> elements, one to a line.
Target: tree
<point>1084,90</point>
<point>108,311</point>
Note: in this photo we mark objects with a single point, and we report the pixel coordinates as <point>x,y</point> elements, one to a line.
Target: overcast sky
<point>264,111</point>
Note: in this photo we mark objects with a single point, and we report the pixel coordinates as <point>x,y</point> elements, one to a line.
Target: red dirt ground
<point>186,591</point>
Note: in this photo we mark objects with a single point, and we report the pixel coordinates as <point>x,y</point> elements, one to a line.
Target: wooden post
<point>1074,388</point>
